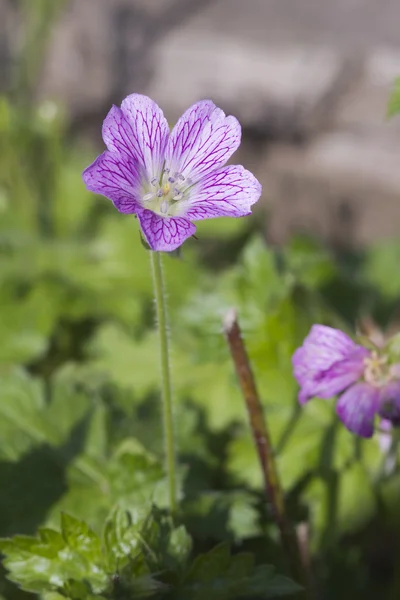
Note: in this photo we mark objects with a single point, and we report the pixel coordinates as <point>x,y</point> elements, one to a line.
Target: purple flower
<point>330,363</point>
<point>171,179</point>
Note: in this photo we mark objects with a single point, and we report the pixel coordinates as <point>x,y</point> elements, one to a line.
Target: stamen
<point>178,194</point>
<point>376,371</point>
<point>154,181</point>
<point>171,179</point>
<point>167,171</point>
<point>148,196</point>
<point>160,193</point>
<point>164,207</point>
<point>181,177</point>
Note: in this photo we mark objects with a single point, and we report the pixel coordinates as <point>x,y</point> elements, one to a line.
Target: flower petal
<point>116,178</point>
<point>327,363</point>
<point>389,402</point>
<point>323,347</point>
<point>357,407</point>
<point>164,233</point>
<point>140,131</point>
<point>331,382</point>
<point>226,192</point>
<point>202,140</point>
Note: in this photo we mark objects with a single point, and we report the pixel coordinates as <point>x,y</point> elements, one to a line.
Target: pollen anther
<point>148,197</point>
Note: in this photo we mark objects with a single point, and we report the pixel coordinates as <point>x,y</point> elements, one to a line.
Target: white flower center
<point>377,371</point>
<point>163,193</point>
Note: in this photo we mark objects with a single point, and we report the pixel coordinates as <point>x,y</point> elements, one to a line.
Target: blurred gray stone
<point>355,25</point>
<point>77,71</point>
<point>102,50</point>
<point>364,104</point>
<point>344,187</point>
<point>277,91</point>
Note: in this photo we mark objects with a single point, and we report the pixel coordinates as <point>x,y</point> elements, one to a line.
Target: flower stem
<point>166,390</point>
<point>265,452</point>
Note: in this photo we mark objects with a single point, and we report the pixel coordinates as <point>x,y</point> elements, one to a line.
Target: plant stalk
<point>264,449</point>
<point>166,388</point>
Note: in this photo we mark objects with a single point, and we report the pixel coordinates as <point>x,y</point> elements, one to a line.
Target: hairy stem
<point>166,389</point>
<point>264,448</point>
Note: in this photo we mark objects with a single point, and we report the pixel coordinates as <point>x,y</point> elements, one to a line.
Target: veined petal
<point>140,131</point>
<point>226,192</point>
<point>202,140</point>
<point>322,348</point>
<point>357,407</point>
<point>389,402</point>
<point>327,363</point>
<point>334,380</point>
<point>115,177</point>
<point>164,233</point>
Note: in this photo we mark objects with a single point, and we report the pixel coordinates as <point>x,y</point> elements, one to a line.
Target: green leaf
<point>126,359</point>
<point>380,268</point>
<point>52,561</point>
<point>180,545</point>
<point>121,537</point>
<point>77,534</point>
<point>393,107</point>
<point>21,407</point>
<point>128,477</point>
<point>96,443</point>
<point>340,503</point>
<point>265,583</point>
<point>310,262</point>
<point>72,203</point>
<point>221,515</point>
<point>75,563</point>
<point>26,325</point>
<point>146,544</point>
<point>207,567</point>
<point>213,387</point>
<point>223,228</point>
<point>28,420</point>
<point>220,575</point>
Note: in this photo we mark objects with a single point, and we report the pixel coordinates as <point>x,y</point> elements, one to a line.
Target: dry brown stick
<point>264,448</point>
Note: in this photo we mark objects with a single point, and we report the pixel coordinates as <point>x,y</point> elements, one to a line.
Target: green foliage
<point>28,420</point>
<point>137,556</point>
<point>218,574</point>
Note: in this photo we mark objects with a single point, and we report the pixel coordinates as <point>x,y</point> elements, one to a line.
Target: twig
<point>264,448</point>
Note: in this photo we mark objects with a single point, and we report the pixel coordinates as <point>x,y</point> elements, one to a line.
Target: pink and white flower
<point>171,179</point>
<point>329,363</point>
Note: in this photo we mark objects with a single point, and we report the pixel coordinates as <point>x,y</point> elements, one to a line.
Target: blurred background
<point>79,418</point>
<point>308,79</point>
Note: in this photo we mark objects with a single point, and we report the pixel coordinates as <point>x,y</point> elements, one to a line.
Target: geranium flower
<point>330,363</point>
<point>169,179</point>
